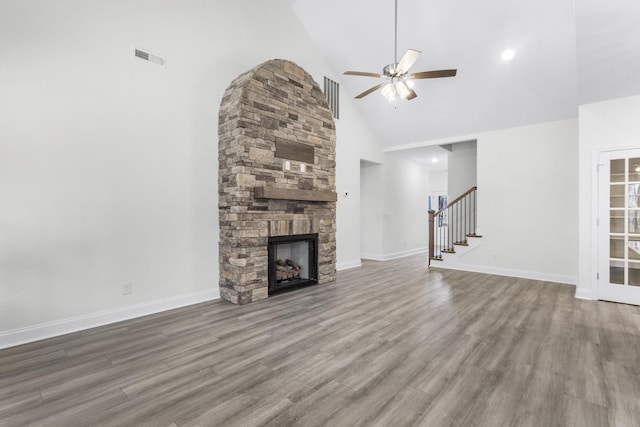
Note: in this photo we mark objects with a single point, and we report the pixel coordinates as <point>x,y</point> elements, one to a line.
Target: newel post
<point>432,230</point>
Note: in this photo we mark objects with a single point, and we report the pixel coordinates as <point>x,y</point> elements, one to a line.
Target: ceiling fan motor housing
<point>390,70</point>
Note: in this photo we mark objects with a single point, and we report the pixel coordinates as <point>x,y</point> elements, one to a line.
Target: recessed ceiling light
<point>434,160</point>
<point>508,55</point>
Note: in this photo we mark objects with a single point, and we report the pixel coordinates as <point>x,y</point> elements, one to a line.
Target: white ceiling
<point>565,56</point>
<point>434,157</point>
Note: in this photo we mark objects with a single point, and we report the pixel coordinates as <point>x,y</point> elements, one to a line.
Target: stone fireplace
<point>276,153</point>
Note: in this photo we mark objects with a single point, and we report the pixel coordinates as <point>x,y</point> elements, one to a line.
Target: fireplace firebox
<point>293,261</point>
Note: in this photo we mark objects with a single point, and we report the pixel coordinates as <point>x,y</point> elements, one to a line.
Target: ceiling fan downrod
<point>395,39</point>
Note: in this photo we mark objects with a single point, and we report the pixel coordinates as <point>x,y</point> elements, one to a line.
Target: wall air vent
<point>150,57</point>
<point>332,92</point>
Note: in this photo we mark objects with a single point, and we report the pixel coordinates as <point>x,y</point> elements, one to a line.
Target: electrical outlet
<point>127,288</point>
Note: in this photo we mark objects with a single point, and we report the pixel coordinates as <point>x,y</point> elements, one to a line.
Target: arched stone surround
<point>275,104</point>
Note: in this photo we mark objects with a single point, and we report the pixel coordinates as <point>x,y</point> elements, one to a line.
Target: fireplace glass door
<point>292,261</point>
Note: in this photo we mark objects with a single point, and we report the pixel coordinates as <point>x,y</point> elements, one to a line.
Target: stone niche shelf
<point>287,194</point>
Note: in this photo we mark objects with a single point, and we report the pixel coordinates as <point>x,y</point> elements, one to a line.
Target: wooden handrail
<point>457,199</point>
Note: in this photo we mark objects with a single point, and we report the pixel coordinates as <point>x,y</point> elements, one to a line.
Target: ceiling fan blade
<point>407,61</point>
<point>368,91</point>
<point>412,94</point>
<point>432,74</point>
<point>361,73</point>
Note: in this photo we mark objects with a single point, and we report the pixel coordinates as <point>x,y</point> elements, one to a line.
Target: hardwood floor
<point>388,344</point>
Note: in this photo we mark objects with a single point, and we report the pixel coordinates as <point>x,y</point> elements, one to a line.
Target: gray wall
<point>462,168</point>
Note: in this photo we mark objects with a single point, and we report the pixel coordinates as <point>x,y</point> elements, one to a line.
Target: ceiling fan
<point>397,74</point>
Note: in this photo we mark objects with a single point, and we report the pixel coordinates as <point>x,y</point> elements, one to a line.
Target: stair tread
<point>474,235</point>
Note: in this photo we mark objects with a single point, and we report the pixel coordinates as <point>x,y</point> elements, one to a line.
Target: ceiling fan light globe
<point>401,89</point>
<point>389,92</point>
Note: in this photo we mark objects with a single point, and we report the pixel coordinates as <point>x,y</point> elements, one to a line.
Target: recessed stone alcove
<point>272,114</point>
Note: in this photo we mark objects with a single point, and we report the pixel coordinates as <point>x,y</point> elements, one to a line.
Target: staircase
<point>451,228</point>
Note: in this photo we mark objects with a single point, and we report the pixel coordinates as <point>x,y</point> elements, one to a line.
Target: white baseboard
<point>533,275</point>
<point>373,257</point>
<point>403,254</point>
<point>587,294</point>
<point>348,264</point>
<point>394,255</point>
<point>79,323</point>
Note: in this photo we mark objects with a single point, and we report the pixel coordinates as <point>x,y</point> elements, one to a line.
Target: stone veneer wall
<point>276,101</point>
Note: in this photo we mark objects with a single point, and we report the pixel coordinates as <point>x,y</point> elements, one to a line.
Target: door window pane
<point>616,272</point>
<point>617,170</point>
<point>633,249</point>
<point>616,247</point>
<point>634,222</point>
<point>633,193</point>
<point>616,221</point>
<point>634,273</point>
<point>634,170</point>
<point>617,196</point>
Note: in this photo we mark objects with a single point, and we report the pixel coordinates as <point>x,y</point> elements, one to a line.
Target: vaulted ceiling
<point>567,53</point>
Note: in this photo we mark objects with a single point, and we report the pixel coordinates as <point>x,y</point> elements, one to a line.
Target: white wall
<point>108,164</point>
<point>438,185</point>
<point>370,210</point>
<point>603,125</point>
<point>528,202</point>
<point>355,142</point>
<point>462,168</point>
<point>393,208</point>
<point>404,209</point>
<point>438,181</point>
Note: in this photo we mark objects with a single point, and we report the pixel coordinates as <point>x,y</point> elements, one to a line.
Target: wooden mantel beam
<point>289,194</point>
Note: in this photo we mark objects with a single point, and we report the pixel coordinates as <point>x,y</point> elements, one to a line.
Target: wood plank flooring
<point>388,344</point>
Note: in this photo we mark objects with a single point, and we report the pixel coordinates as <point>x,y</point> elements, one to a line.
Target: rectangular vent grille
<point>332,92</point>
<point>144,55</point>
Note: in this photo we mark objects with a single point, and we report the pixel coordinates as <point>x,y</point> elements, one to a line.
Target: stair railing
<point>452,225</point>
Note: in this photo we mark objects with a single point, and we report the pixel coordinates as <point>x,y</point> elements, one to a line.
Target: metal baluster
<point>470,214</point>
<point>473,216</point>
<point>439,241</point>
<point>464,223</point>
<point>457,224</point>
<point>440,232</point>
<point>467,216</point>
<point>453,226</point>
<point>445,235</point>
<point>473,198</point>
<point>474,213</point>
<point>458,217</point>
<point>450,227</point>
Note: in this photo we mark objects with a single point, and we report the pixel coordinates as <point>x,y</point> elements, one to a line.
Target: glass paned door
<point>619,226</point>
